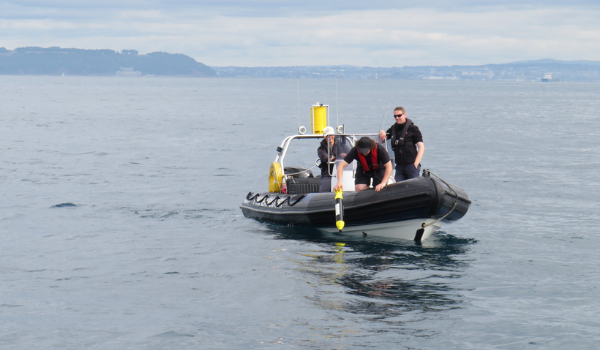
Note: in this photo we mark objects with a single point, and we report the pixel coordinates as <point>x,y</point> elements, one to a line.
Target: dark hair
<point>364,141</point>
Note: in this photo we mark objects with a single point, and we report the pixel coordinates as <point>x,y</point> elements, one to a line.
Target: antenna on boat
<point>384,111</point>
<point>298,85</point>
<point>337,104</point>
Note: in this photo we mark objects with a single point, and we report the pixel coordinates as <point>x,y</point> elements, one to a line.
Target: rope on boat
<point>250,196</point>
<point>262,199</point>
<point>279,204</point>
<point>453,206</point>
<point>271,202</point>
<point>296,199</point>
<point>291,200</point>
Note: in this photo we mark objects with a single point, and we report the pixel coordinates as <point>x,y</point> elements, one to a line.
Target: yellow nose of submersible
<point>339,210</point>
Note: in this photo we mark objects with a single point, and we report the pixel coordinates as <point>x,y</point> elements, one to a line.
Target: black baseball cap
<point>364,145</point>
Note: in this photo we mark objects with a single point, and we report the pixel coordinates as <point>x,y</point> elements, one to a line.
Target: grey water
<point>120,225</point>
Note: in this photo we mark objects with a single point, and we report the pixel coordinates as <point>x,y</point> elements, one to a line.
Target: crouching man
<point>373,163</point>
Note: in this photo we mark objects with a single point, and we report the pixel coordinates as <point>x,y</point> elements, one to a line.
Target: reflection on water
<point>385,280</point>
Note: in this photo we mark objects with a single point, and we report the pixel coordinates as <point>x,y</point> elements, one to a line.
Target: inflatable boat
<point>412,209</point>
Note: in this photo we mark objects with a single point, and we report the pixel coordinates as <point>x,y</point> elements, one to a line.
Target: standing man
<point>407,143</point>
<point>373,163</point>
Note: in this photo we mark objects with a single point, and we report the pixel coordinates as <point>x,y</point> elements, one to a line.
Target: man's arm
<point>386,176</point>
<point>322,155</point>
<point>420,154</point>
<point>340,174</point>
<point>383,135</point>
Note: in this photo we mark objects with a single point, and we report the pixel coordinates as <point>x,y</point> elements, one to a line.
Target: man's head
<point>400,115</point>
<point>365,145</point>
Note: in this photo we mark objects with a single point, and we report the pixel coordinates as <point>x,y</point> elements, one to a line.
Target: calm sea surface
<point>120,225</point>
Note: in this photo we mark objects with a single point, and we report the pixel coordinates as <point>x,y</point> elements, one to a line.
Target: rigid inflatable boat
<point>412,209</point>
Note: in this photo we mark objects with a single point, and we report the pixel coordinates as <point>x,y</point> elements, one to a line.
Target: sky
<point>267,33</point>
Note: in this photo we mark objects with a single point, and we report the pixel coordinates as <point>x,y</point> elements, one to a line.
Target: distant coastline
<point>582,71</point>
<point>129,63</point>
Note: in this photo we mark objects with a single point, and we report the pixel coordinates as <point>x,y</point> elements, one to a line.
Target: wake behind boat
<point>412,209</point>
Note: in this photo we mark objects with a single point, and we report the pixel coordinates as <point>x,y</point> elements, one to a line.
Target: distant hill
<point>58,61</point>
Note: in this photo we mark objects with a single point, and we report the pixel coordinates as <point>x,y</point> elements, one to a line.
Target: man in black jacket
<point>407,143</point>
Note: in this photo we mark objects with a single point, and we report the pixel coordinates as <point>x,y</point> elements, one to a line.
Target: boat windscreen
<point>301,153</point>
<point>341,147</point>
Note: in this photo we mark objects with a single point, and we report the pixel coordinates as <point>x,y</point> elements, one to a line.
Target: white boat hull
<point>398,230</point>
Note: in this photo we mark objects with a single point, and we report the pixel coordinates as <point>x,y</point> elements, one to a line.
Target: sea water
<point>120,225</point>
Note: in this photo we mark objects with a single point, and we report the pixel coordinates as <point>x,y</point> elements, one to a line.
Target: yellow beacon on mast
<point>319,114</point>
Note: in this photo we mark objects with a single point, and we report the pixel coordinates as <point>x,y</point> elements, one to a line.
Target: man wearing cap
<point>330,149</point>
<point>373,163</point>
<point>407,143</point>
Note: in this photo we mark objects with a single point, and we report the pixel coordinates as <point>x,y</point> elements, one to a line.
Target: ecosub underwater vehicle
<point>412,209</point>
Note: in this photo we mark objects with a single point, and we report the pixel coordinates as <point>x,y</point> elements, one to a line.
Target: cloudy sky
<point>374,33</point>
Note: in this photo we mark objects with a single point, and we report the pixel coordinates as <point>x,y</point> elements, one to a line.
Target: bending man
<point>373,163</point>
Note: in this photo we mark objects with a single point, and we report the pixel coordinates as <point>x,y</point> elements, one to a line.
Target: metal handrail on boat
<point>285,144</point>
